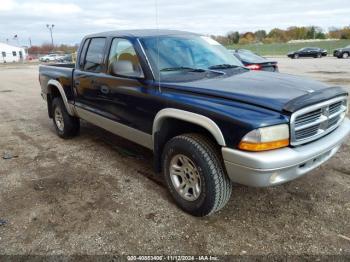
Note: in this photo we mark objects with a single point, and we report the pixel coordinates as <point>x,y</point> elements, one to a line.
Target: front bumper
<point>262,169</point>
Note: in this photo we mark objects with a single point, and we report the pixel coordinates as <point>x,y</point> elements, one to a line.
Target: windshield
<point>187,54</point>
<point>250,57</point>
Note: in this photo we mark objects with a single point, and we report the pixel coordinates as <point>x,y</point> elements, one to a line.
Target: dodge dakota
<point>209,120</point>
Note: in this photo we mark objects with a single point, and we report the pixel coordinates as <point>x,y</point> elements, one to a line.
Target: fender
<point>190,117</point>
<point>69,107</point>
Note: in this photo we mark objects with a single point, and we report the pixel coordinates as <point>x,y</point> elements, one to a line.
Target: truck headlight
<point>266,138</point>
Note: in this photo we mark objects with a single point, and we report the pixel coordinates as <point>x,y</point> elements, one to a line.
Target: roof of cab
<point>140,33</point>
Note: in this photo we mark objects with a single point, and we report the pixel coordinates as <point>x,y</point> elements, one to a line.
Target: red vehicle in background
<point>254,61</point>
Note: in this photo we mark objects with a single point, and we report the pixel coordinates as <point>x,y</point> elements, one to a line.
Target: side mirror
<point>125,68</point>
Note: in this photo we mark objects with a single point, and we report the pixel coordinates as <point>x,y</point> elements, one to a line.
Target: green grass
<point>284,48</point>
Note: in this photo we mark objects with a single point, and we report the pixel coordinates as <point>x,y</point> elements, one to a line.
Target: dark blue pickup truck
<point>209,120</point>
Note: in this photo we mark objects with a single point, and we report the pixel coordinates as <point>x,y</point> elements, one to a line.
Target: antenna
<point>157,26</point>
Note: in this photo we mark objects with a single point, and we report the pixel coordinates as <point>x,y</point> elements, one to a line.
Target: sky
<point>75,18</point>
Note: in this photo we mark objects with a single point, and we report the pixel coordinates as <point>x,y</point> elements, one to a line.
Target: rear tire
<point>194,174</point>
<point>66,125</point>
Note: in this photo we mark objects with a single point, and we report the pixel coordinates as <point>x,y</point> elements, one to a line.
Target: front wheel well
<point>172,127</point>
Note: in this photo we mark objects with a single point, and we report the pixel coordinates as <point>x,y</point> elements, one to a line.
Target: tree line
<point>47,48</point>
<point>277,35</point>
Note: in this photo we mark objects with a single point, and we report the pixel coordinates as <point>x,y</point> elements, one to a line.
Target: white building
<point>10,53</point>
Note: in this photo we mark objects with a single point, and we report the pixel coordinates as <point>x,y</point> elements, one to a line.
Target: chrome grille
<point>307,132</point>
<point>308,118</point>
<point>333,108</point>
<point>313,122</point>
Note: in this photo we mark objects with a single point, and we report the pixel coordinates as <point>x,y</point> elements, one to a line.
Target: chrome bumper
<point>278,166</point>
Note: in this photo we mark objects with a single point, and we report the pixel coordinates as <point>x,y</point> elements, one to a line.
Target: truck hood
<point>274,91</point>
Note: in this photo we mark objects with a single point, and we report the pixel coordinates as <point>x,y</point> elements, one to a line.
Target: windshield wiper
<point>223,66</point>
<point>191,69</point>
<point>183,68</point>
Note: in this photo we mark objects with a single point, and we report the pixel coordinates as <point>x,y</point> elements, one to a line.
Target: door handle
<point>77,83</point>
<point>95,83</point>
<point>104,89</point>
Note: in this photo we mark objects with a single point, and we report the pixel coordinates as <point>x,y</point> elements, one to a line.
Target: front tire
<point>194,174</point>
<point>345,55</point>
<point>296,56</point>
<point>66,125</point>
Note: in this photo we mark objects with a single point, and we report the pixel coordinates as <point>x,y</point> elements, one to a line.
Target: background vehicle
<point>50,58</point>
<point>207,119</point>
<point>254,61</point>
<point>342,52</point>
<point>315,52</point>
<point>65,58</point>
<point>30,57</point>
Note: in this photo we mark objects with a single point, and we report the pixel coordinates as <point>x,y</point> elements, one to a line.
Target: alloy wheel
<point>185,177</point>
<point>59,119</point>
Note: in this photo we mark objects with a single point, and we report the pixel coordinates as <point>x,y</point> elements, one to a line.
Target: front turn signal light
<point>263,146</point>
<point>266,138</point>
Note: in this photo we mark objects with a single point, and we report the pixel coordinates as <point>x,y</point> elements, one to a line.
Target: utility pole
<point>50,27</point>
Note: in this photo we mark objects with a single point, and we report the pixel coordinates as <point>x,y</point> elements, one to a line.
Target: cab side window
<point>123,60</point>
<point>94,55</point>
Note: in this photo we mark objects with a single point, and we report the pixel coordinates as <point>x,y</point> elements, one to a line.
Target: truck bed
<point>63,73</point>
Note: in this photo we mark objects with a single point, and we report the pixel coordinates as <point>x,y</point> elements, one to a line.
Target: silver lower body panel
<point>262,169</point>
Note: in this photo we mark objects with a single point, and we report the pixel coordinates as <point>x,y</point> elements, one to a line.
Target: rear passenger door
<point>91,65</point>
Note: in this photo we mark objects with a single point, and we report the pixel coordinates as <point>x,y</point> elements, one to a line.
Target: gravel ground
<point>97,193</point>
